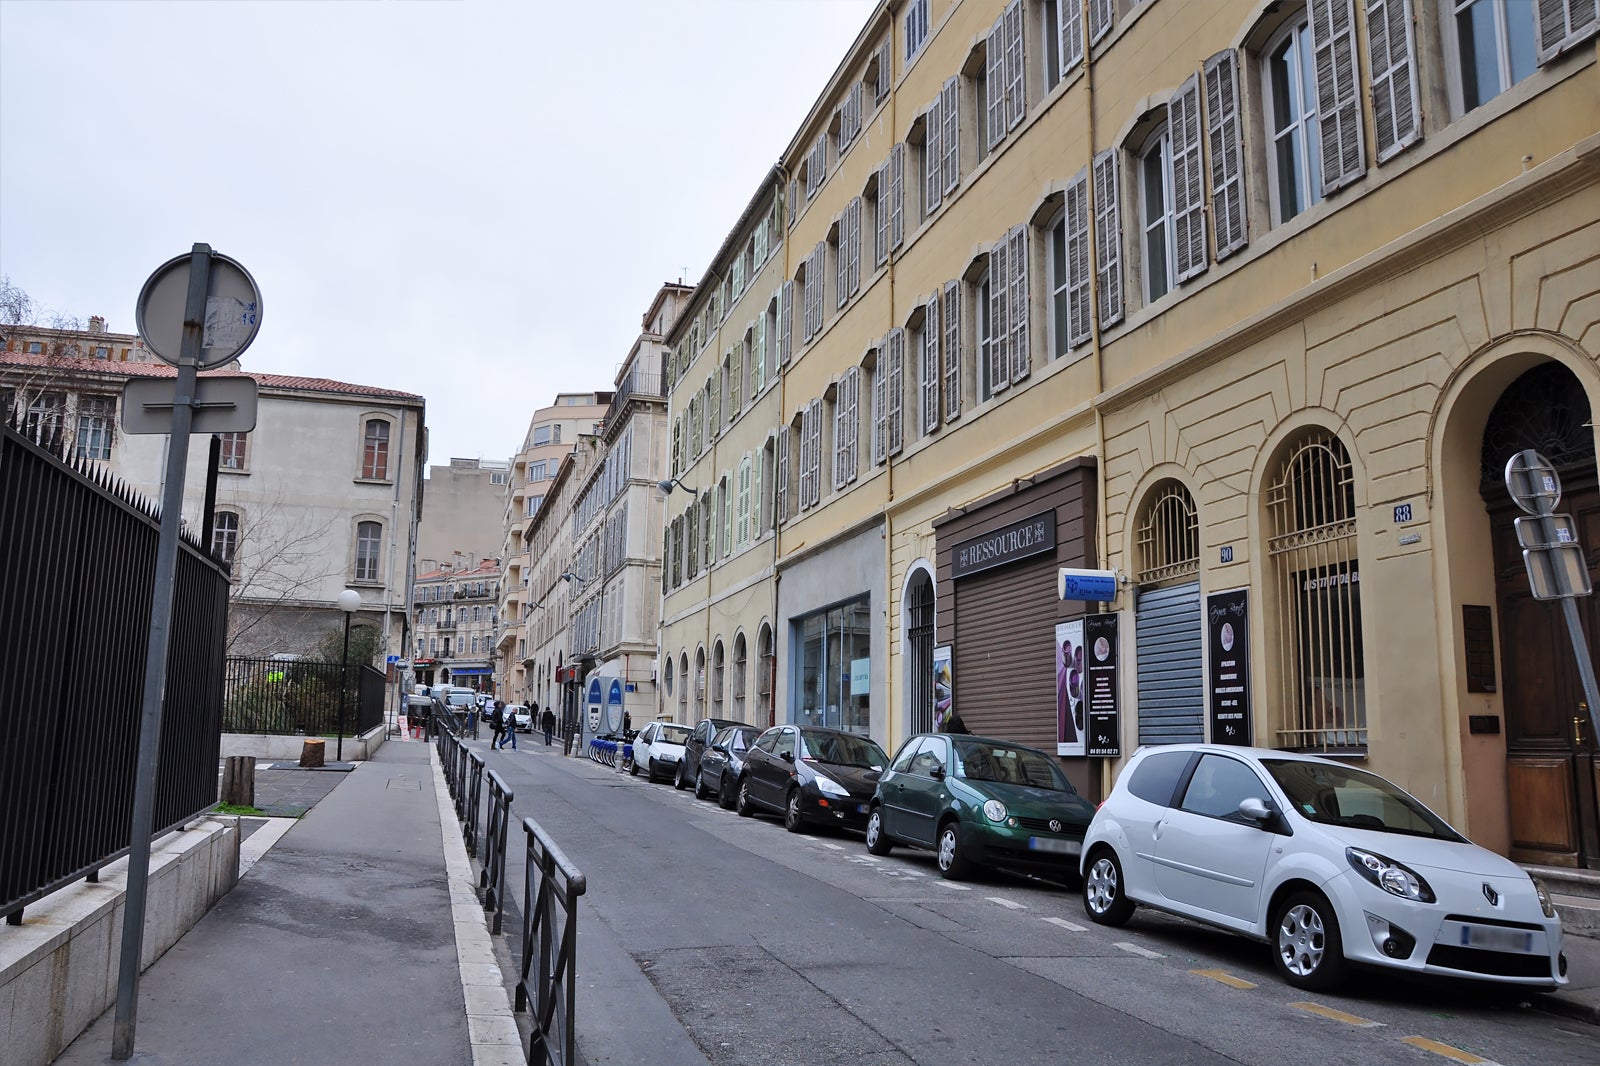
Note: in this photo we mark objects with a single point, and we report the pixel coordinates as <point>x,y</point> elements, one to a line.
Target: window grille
<point>1168,536</point>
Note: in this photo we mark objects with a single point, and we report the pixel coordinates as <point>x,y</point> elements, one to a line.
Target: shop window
<point>1315,566</point>
<point>835,654</point>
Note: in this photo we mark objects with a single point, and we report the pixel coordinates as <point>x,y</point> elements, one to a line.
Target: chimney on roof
<point>97,324</point>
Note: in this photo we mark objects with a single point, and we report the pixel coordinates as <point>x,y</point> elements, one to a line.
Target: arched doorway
<point>1552,773</point>
<point>919,629</point>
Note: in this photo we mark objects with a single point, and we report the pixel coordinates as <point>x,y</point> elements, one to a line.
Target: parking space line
<point>1135,949</point>
<point>954,887</point>
<point>1071,926</point>
<point>825,844</point>
<point>1453,1053</point>
<point>1009,904</point>
<point>1224,977</point>
<point>1337,1015</point>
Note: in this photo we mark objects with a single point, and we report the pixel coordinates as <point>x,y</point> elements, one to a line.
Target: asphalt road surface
<point>770,948</point>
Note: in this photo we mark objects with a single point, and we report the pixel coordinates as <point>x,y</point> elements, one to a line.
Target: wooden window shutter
<point>952,350</point>
<point>1016,92</point>
<point>880,220</point>
<point>1102,16</point>
<point>763,357</point>
<point>735,380</point>
<point>897,390</point>
<point>852,214</point>
<point>759,244</point>
<point>780,488</point>
<point>1564,23</point>
<point>841,431</point>
<point>853,426</point>
<point>933,156</point>
<point>757,501</point>
<point>897,183</point>
<point>999,322</point>
<point>994,81</point>
<point>785,322</point>
<point>815,411</point>
<point>928,368</point>
<point>1333,43</point>
<point>819,262</point>
<point>1069,24</point>
<point>794,198</point>
<point>1227,153</point>
<point>1021,303</point>
<point>1188,188</point>
<point>715,394</point>
<point>885,69</point>
<point>841,262</point>
<point>805,457</point>
<point>1392,52</point>
<point>880,407</point>
<point>1080,326</point>
<point>1108,235</point>
<point>950,108</point>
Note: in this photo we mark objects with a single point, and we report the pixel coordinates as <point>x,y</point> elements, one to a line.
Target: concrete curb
<point>496,1040</point>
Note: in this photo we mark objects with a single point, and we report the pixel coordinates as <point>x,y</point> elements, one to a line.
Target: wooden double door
<point>1553,775</point>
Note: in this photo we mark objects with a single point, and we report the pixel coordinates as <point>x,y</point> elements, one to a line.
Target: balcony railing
<point>637,385</point>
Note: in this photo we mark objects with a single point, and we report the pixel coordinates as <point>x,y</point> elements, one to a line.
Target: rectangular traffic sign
<point>220,405</point>
<point>1097,586</point>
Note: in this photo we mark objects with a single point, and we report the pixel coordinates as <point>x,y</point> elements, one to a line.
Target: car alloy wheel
<point>952,864</point>
<point>700,789</point>
<point>1309,952</point>
<point>742,804</point>
<point>681,781</point>
<point>793,820</point>
<point>877,840</point>
<point>1103,897</point>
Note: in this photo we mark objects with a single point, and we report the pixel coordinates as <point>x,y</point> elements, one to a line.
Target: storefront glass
<point>836,665</point>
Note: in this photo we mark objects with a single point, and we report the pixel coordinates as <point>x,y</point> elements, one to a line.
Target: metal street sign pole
<point>155,670</point>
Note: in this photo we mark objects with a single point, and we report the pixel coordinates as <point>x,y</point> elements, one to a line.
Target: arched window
<point>375,450</point>
<point>1168,535</point>
<point>739,657</point>
<point>699,684</point>
<point>766,672</point>
<point>919,622</point>
<point>683,688</point>
<point>718,688</point>
<point>369,548</point>
<point>1311,524</point>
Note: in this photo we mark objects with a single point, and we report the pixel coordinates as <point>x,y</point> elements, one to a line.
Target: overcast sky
<point>470,200</point>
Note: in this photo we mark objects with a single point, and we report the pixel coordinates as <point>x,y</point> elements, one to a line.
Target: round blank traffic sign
<point>233,311</point>
<point>1533,482</point>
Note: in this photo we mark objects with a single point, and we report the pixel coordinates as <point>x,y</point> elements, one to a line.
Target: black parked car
<point>695,749</point>
<point>810,774</point>
<point>722,763</point>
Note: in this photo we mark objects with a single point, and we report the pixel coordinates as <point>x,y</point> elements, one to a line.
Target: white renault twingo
<point>1325,862</point>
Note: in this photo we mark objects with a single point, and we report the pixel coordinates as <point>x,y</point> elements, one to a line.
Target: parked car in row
<point>810,774</point>
<point>979,801</point>
<point>658,747</point>
<point>722,763</point>
<point>695,748</point>
<point>1328,863</point>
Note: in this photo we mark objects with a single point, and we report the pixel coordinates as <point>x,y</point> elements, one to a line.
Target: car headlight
<point>829,787</point>
<point>1389,875</point>
<point>994,810</point>
<point>1546,904</point>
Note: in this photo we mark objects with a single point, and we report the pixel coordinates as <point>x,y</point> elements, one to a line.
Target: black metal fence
<point>75,594</point>
<point>288,697</point>
<point>548,981</point>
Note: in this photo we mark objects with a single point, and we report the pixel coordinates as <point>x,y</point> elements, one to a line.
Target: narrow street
<point>773,948</point>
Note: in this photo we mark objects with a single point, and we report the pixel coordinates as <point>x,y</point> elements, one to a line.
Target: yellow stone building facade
<point>1245,302</point>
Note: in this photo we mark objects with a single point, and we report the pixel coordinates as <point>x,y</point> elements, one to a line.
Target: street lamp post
<point>349,603</point>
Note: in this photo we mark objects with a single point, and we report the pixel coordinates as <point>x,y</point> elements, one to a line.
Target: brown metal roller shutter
<point>1004,675</point>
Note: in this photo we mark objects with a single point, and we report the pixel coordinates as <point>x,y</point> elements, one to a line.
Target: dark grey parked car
<point>722,762</point>
<point>699,740</point>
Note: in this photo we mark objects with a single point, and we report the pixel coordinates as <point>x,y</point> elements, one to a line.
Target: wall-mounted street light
<point>668,485</point>
<point>579,578</point>
<point>349,603</point>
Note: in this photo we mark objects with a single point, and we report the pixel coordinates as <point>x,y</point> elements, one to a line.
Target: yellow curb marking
<point>1445,1049</point>
<point>1336,1015</point>
<point>1226,978</point>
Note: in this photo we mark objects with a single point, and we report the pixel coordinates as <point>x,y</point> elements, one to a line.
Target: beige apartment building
<point>463,513</point>
<point>718,634</point>
<point>554,432</point>
<point>1236,300</point>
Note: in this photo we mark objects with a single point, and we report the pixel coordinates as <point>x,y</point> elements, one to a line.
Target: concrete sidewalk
<point>338,945</point>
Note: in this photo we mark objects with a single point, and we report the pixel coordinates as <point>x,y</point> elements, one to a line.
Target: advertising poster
<point>1100,684</point>
<point>1228,673</point>
<point>944,689</point>
<point>1069,688</point>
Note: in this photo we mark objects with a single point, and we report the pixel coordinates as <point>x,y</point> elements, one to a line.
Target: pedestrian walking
<point>497,724</point>
<point>547,721</point>
<point>510,717</point>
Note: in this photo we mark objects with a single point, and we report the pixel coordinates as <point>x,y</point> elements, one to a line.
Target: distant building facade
<point>463,512</point>
<point>455,612</point>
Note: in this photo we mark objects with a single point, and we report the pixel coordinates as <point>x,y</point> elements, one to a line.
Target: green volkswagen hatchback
<point>978,801</point>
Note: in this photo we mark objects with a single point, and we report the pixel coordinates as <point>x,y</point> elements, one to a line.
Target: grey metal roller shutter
<point>1168,631</point>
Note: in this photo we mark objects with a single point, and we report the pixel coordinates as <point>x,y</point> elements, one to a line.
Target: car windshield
<point>1356,799</point>
<point>673,734</point>
<point>841,749</point>
<point>735,739</point>
<point>460,699</point>
<point>978,760</point>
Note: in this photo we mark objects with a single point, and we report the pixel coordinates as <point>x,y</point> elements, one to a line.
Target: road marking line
<point>1226,978</point>
<point>1009,904</point>
<point>1337,1015</point>
<point>953,888</point>
<point>825,844</point>
<point>1446,1050</point>
<point>1135,949</point>
<point>1063,923</point>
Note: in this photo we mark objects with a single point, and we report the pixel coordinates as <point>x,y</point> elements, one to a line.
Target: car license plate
<point>1059,847</point>
<point>1495,939</point>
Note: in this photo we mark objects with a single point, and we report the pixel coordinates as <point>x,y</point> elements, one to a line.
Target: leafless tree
<point>280,561</point>
<point>16,306</point>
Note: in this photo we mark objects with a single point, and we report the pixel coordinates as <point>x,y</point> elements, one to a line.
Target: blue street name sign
<point>1093,585</point>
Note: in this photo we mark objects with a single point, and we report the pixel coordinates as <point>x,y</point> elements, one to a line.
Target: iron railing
<point>551,887</point>
<point>492,881</point>
<point>75,625</point>
<point>288,697</point>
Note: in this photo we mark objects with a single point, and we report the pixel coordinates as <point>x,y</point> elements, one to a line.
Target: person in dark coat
<point>547,722</point>
<point>954,724</point>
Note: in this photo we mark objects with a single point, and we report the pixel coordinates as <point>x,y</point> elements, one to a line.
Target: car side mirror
<point>936,772</point>
<point>787,756</point>
<point>1256,810</point>
<point>720,747</point>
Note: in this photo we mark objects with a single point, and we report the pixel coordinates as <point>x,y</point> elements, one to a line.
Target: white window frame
<point>915,27</point>
<point>1156,155</point>
<point>1293,39</point>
